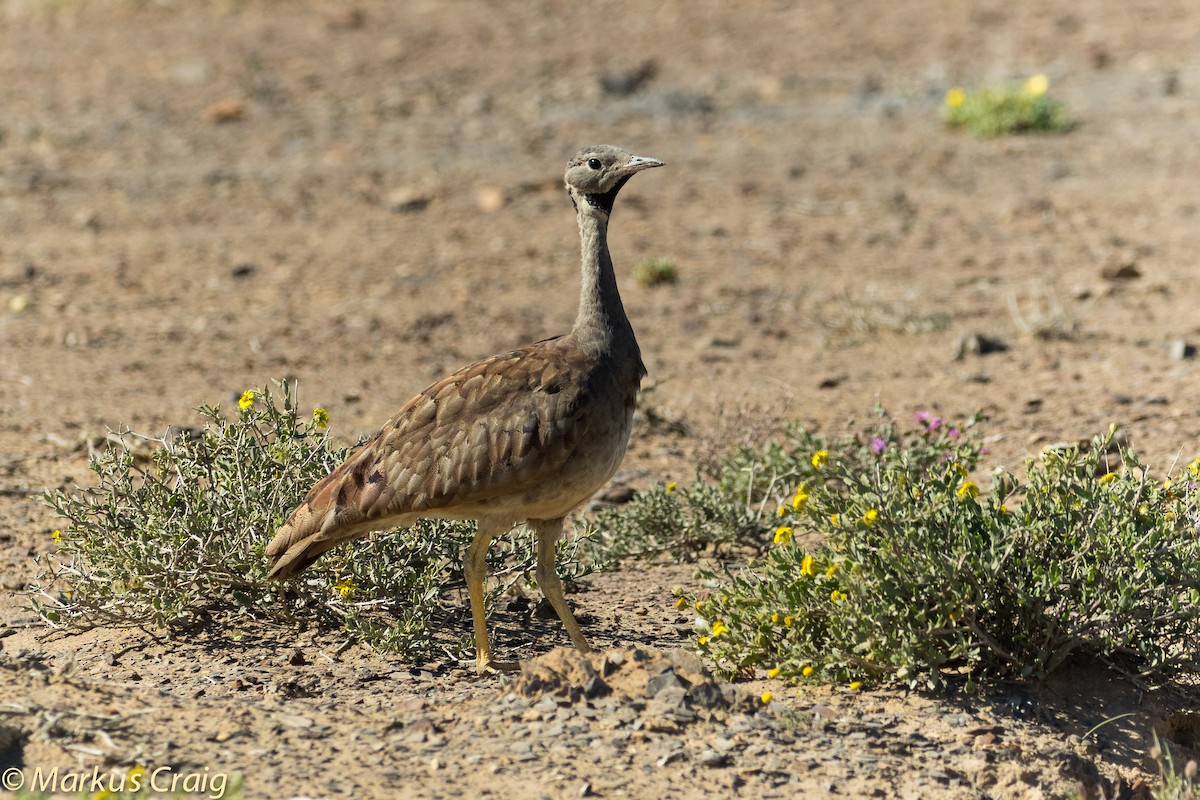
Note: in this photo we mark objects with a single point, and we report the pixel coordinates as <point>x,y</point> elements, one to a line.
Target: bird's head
<point>595,174</point>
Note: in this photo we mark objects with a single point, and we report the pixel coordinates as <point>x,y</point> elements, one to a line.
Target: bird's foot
<point>490,667</point>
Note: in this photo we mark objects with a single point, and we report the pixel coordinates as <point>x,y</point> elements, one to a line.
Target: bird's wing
<point>500,426</point>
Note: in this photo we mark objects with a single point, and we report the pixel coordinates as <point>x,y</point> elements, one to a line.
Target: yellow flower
<point>956,97</point>
<point>783,534</point>
<point>807,671</point>
<point>836,597</point>
<point>671,487</point>
<point>247,400</point>
<point>1143,509</point>
<point>775,618</point>
<point>345,587</point>
<point>703,640</point>
<point>1003,508</point>
<point>773,672</point>
<point>870,517</point>
<point>800,499</point>
<point>56,536</point>
<point>834,518</point>
<point>718,628</point>
<point>831,570</point>
<point>967,490</point>
<point>681,603</point>
<point>787,622</point>
<point>1037,85</point>
<point>779,512</point>
<point>819,458</point>
<point>1107,478</point>
<point>1194,468</point>
<point>855,685</point>
<point>808,566</point>
<point>320,418</point>
<point>766,698</point>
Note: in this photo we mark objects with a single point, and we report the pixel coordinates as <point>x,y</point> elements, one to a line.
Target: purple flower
<point>877,445</point>
<point>921,416</point>
<point>935,423</point>
<point>953,433</point>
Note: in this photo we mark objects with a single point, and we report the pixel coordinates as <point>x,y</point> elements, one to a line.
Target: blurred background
<point>197,198</point>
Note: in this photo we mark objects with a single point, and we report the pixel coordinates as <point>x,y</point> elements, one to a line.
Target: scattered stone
<point>407,199</point>
<point>1182,350</point>
<point>1126,271</point>
<point>296,657</point>
<point>490,199</point>
<point>711,758</point>
<point>617,495</point>
<point>667,679</point>
<point>227,110</point>
<point>627,82</point>
<point>191,73</point>
<point>977,344</point>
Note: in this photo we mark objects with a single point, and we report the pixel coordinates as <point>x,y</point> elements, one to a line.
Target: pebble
<point>711,758</point>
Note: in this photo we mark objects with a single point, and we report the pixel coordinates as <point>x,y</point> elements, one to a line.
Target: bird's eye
<point>594,163</point>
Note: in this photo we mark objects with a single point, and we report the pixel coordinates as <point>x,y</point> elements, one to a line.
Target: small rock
<point>984,740</point>
<point>191,73</point>
<point>711,758</point>
<point>489,199</point>
<point>1181,350</point>
<point>617,495</point>
<point>664,680</point>
<point>86,218</point>
<point>628,81</point>
<point>227,110</point>
<point>407,198</point>
<point>294,721</point>
<point>1127,271</point>
<point>296,657</point>
<point>977,344</point>
<point>707,695</point>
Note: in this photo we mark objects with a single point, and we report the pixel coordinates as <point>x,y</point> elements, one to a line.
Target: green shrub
<point>655,272</point>
<point>890,564</point>
<point>1003,110</point>
<point>665,520</point>
<point>175,538</point>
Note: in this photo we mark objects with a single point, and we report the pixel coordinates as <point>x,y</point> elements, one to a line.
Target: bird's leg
<point>548,532</point>
<point>475,570</point>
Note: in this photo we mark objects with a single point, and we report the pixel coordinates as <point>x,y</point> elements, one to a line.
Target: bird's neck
<point>601,324</point>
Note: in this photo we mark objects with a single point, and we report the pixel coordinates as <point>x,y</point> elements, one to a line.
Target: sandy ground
<point>199,198</point>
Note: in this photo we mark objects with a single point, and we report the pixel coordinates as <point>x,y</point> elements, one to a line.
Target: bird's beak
<point>639,163</point>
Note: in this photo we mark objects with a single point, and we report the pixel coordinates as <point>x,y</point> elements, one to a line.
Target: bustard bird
<point>523,436</point>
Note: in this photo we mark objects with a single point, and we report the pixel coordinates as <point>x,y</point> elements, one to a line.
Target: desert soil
<point>197,198</point>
